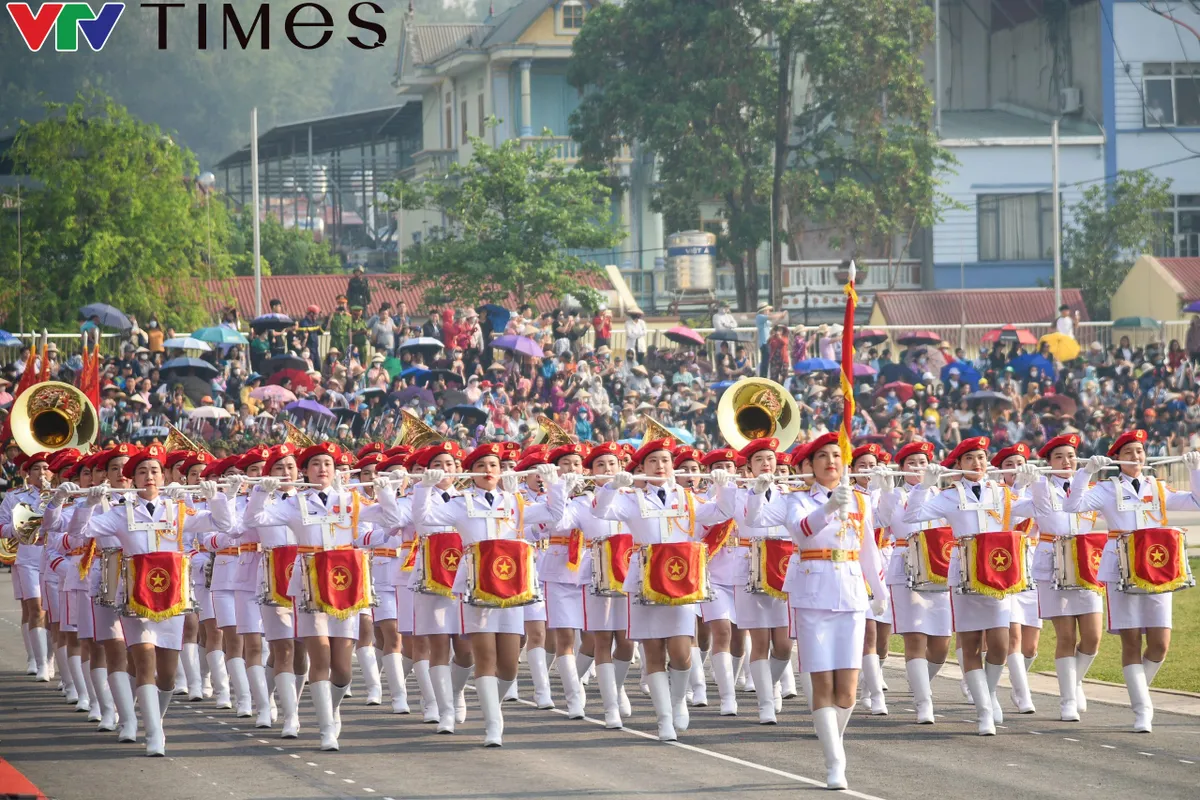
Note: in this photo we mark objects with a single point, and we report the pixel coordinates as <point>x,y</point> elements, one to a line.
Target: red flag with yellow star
<point>339,580</point>
<point>281,562</point>
<point>845,431</point>
<point>1157,558</point>
<point>441,555</point>
<point>504,572</point>
<point>1087,549</point>
<point>773,563</point>
<point>675,573</point>
<point>158,585</point>
<point>996,563</point>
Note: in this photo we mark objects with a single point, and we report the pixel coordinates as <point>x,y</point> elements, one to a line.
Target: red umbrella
<point>919,337</point>
<point>903,390</point>
<point>681,334</point>
<point>297,378</point>
<point>870,336</point>
<point>1009,333</point>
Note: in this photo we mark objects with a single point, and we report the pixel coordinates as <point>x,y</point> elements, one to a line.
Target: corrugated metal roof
<point>298,292</point>
<point>982,306</point>
<point>993,123</point>
<point>431,41</point>
<point>1187,272</point>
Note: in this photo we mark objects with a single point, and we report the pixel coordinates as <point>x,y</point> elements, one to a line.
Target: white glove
<point>269,485</point>
<point>622,480</point>
<point>95,495</point>
<point>878,605</point>
<point>931,475</point>
<point>234,484</point>
<point>382,483</point>
<point>1027,475</point>
<point>208,489</point>
<point>432,477</point>
<point>1191,460</point>
<point>993,474</point>
<point>720,478</point>
<point>841,497</point>
<point>548,473</point>
<point>571,481</point>
<point>508,481</point>
<point>337,485</point>
<point>669,482</point>
<point>173,491</point>
<point>1096,463</point>
<point>63,493</point>
<point>881,478</point>
<point>762,483</point>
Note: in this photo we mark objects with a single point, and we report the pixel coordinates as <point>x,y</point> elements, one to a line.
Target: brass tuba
<point>550,433</point>
<point>51,416</point>
<point>413,431</point>
<point>297,437</point>
<point>27,524</point>
<point>8,552</point>
<point>754,408</point>
<point>656,430</point>
<point>177,440</point>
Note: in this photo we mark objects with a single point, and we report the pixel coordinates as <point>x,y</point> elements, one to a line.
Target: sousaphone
<point>51,416</point>
<point>756,408</point>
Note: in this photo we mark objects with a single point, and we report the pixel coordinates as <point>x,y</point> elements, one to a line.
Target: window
<point>1015,227</point>
<point>573,13</point>
<point>482,118</point>
<point>449,121</point>
<point>1181,237</point>
<point>463,122</point>
<point>1171,93</point>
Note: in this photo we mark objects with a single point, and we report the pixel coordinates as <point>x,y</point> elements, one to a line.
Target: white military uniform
<point>235,579</point>
<point>1048,495</point>
<point>1024,606</point>
<point>536,612</point>
<point>884,546</point>
<point>600,612</point>
<point>751,609</point>
<point>726,569</point>
<point>26,569</point>
<point>912,612</point>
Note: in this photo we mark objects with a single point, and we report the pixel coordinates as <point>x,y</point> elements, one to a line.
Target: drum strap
<point>1144,512</point>
<point>999,508</point>
<point>669,516</point>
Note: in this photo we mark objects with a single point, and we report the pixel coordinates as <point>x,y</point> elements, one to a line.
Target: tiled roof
<point>298,292</point>
<point>431,41</point>
<point>984,306</point>
<point>1187,272</point>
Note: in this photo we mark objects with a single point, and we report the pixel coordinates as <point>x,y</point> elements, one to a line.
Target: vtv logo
<point>67,20</point>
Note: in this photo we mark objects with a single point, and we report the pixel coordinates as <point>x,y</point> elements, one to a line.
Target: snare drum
<point>994,564</point>
<point>111,593</point>
<point>1076,562</point>
<point>437,566</point>
<point>610,564</point>
<point>275,575</point>
<point>1152,561</point>
<point>768,566</point>
<point>675,574</point>
<point>336,582</point>
<point>927,559</point>
<point>501,574</point>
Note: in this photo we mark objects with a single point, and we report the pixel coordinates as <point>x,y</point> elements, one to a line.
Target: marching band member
<point>149,525</point>
<point>227,567</point>
<point>55,563</point>
<point>534,491</point>
<point>976,505</point>
<point>1025,629</point>
<point>488,511</point>
<point>727,556</point>
<point>333,585</point>
<point>831,527</point>
<point>787,683</point>
<point>662,513</point>
<point>878,627</point>
<point>364,648</point>
<point>764,612</point>
<point>687,461</point>
<point>195,672</point>
<point>208,633</point>
<point>605,616</point>
<point>1131,501</point>
<point>1068,609</point>
<point>27,586</point>
<point>922,618</point>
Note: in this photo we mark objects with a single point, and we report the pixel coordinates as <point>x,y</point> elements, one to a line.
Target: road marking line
<point>1149,755</point>
<point>1185,761</point>
<point>280,749</point>
<point>366,789</point>
<point>1069,739</point>
<point>311,763</point>
<point>264,741</point>
<point>330,772</point>
<point>1108,746</point>
<point>347,780</point>
<point>235,729</point>
<point>1036,733</point>
<point>293,755</point>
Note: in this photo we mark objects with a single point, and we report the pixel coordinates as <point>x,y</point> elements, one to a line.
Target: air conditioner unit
<point>1070,100</point>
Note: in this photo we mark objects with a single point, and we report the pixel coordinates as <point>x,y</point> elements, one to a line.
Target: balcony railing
<point>566,149</point>
<point>426,162</point>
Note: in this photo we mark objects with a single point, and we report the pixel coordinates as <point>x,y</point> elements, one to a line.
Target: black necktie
<point>445,497</point>
<point>976,490</point>
<point>488,496</point>
<point>767,495</point>
<point>150,509</point>
<point>322,496</point>
<point>1136,484</point>
<point>662,496</point>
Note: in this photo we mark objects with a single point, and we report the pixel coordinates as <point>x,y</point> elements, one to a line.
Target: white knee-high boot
<point>993,672</point>
<point>620,670</point>
<point>764,690</point>
<point>443,687</point>
<point>1083,662</point>
<point>260,695</point>
<point>83,701</point>
<point>30,661</point>
<point>1068,703</point>
<point>122,690</point>
<point>108,710</point>
<point>1138,687</point>
<point>679,681</point>
<point>393,667</point>
<point>488,690</point>
<point>148,700</point>
<point>977,683</point>
<point>219,677</point>
<point>787,680</point>
<point>429,705</point>
<point>872,674</point>
<point>699,685</point>
<point>568,673</point>
<point>540,675</point>
<point>918,681</point>
<point>722,668</point>
<point>1019,678</point>
<point>190,657</point>
<point>826,724</point>
<point>459,676</point>
<point>322,697</point>
<point>370,670</point>
<point>285,686</point>
<point>660,696</point>
<point>239,683</point>
<point>39,638</point>
<point>62,667</point>
<point>609,695</point>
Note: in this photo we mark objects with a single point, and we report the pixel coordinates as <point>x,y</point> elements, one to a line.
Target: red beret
<point>758,445</point>
<point>783,458</point>
<point>253,456</point>
<point>720,454</point>
<point>426,454</point>
<point>123,450</point>
<point>175,456</point>
<point>154,452</point>
<point>967,446</point>
<point>686,453</point>
<point>72,469</point>
<point>193,459</point>
<point>44,456</point>
<point>1018,449</point>
<point>914,449</point>
<point>628,449</point>
<point>489,449</point>
<point>321,449</point>
<point>370,447</point>
<point>396,460</point>
<point>373,458</point>
<point>531,460</point>
<point>869,449</point>
<point>1125,438</point>
<point>606,449</point>
<point>564,450</point>
<point>278,453</point>
<point>343,458</point>
<point>219,467</point>
<point>1063,440</point>
<point>816,444</point>
<point>652,446</point>
<point>511,451</point>
<point>399,450</point>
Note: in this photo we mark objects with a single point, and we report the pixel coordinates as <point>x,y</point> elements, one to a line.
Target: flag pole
<point>845,444</point>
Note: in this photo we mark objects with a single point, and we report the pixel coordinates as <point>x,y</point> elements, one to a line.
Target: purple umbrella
<point>862,370</point>
<point>519,344</point>
<point>423,396</point>
<point>310,406</point>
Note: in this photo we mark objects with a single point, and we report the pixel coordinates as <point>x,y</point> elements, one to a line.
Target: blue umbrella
<point>966,373</point>
<point>682,435</point>
<point>189,363</point>
<point>219,334</point>
<point>497,316</point>
<point>8,340</point>
<point>721,386</point>
<point>411,371</point>
<point>109,316</point>
<point>816,365</point>
<point>1023,363</point>
<point>1193,307</point>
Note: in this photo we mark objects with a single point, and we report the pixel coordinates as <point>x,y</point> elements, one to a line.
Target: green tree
<point>113,215</point>
<point>517,220</point>
<point>1110,227</point>
<point>693,81</point>
<point>285,251</point>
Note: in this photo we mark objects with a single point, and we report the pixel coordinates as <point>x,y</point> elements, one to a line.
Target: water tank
<point>691,260</point>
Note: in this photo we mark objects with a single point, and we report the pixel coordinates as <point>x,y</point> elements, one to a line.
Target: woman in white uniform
<point>1075,613</point>
<point>27,584</point>
<point>534,491</point>
<point>1025,627</point>
<point>1132,500</point>
<point>150,523</point>
<point>323,519</point>
<point>726,643</point>
<point>863,460</point>
<point>661,512</point>
<point>831,526</point>
<point>922,618</point>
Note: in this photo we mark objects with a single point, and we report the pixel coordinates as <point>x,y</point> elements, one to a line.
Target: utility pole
<point>1056,216</point>
<point>254,199</point>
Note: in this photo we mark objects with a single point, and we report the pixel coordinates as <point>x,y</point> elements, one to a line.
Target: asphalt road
<point>212,754</point>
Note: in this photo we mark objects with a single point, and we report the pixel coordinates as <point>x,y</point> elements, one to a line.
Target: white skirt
<point>167,634</point>
<point>535,612</point>
<point>920,612</point>
<point>224,602</point>
<point>604,613</point>
<point>1141,611</point>
<point>404,609</point>
<point>978,612</point>
<point>249,617</point>
<point>660,622</point>
<point>758,610</point>
<point>68,608</point>
<point>829,640</point>
<point>278,622</point>
<point>1067,602</point>
<point>106,623</point>
<point>204,602</point>
<point>434,614</point>
<point>478,619</point>
<point>81,607</point>
<point>721,606</point>
<point>886,615</point>
<point>325,625</point>
<point>386,595</point>
<point>1024,608</point>
<point>27,584</point>
<point>51,599</point>
<point>564,605</point>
